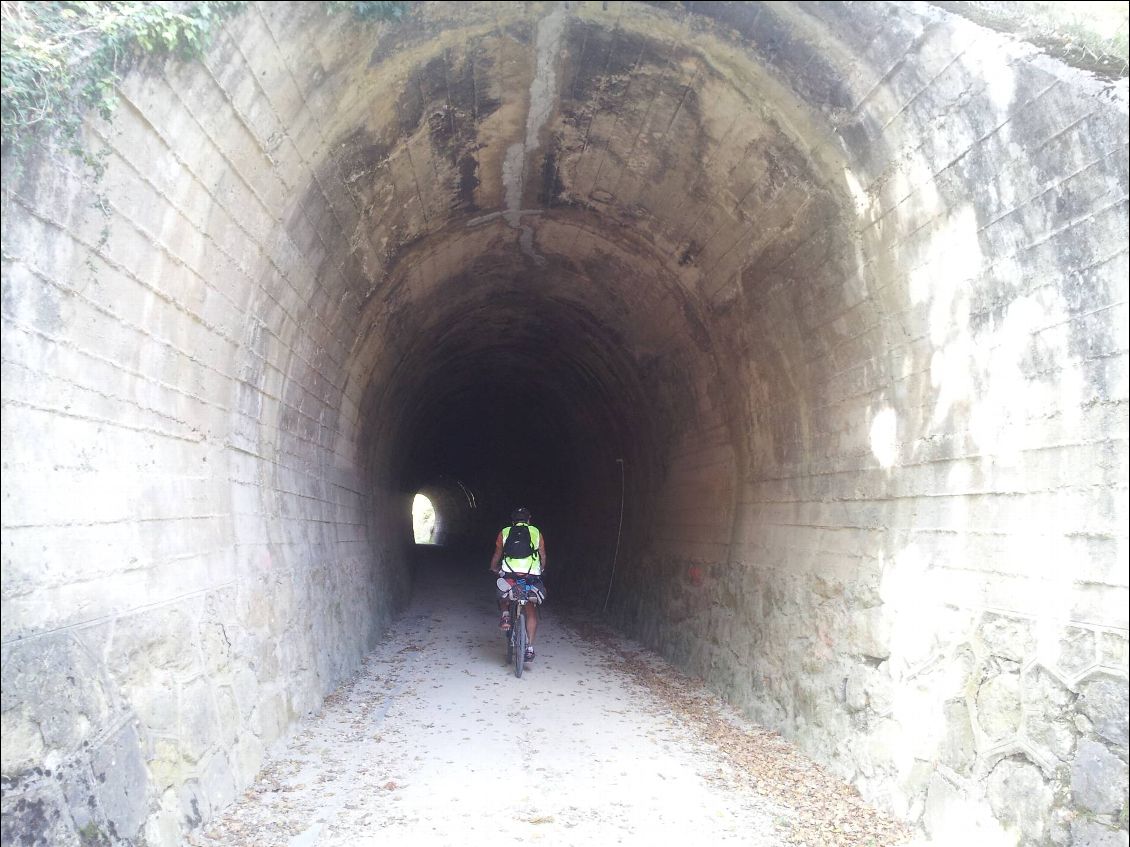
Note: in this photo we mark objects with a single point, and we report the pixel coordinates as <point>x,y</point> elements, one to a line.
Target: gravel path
<point>435,740</point>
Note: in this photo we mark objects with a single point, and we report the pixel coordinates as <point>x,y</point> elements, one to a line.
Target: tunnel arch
<point>842,286</point>
<point>595,381</point>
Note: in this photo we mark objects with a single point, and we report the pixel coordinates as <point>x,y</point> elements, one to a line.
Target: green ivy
<point>62,60</point>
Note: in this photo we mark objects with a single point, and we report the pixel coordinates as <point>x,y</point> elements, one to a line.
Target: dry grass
<point>1090,34</point>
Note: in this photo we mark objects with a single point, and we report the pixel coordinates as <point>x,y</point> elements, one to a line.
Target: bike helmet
<point>521,514</point>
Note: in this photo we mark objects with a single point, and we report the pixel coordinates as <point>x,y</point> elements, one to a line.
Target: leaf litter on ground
<point>825,811</point>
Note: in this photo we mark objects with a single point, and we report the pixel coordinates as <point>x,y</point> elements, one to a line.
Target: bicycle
<point>519,593</point>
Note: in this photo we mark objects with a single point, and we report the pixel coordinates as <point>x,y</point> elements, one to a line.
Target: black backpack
<point>518,544</point>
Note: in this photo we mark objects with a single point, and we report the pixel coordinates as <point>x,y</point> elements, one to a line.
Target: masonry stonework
<point>842,288</point>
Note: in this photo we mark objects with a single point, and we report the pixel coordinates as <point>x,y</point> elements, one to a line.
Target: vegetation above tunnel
<point>63,60</point>
<point>1094,36</point>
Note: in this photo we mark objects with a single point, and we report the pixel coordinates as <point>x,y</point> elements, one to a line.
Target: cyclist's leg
<point>531,623</point>
<point>503,609</point>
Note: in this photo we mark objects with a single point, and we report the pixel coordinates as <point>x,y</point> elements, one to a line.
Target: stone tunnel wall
<point>920,581</point>
<point>863,266</point>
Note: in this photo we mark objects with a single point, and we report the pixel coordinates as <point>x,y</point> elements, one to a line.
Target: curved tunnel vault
<point>839,288</point>
<point>531,381</point>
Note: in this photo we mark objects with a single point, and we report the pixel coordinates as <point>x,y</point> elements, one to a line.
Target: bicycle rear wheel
<point>519,644</point>
<point>513,612</point>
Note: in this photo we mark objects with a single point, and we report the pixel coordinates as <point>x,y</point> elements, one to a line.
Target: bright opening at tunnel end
<point>423,520</point>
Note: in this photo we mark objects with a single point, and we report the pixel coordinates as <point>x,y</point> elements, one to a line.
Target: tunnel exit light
<point>423,520</point>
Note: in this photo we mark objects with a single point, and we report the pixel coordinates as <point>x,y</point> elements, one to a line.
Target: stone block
<point>1104,700</point>
<point>1048,716</point>
<point>1098,779</point>
<point>155,705</point>
<point>167,767</point>
<point>164,825</point>
<point>54,696</point>
<point>886,746</point>
<point>194,806</point>
<point>880,692</point>
<point>199,729</point>
<point>272,718</point>
<point>855,689</point>
<point>23,742</point>
<point>1021,798</point>
<point>998,706</point>
<point>217,782</point>
<point>1056,738</point>
<point>79,787</point>
<point>1008,638</point>
<point>36,816</point>
<point>255,608</point>
<point>159,639</point>
<point>1115,650</point>
<point>954,815</point>
<point>869,633</point>
<point>247,758</point>
<point>215,646</point>
<point>266,660</point>
<point>958,748</point>
<point>121,782</point>
<point>1088,833</point>
<point>228,714</point>
<point>246,687</point>
<point>1076,651</point>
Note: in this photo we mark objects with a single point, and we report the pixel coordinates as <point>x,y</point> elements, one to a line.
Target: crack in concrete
<point>543,94</point>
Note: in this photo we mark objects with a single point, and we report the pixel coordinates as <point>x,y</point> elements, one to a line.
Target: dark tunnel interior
<point>522,396</point>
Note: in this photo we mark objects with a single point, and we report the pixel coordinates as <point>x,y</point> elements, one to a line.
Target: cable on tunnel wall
<point>619,529</point>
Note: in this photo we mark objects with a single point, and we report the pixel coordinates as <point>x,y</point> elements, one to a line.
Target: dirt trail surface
<point>435,740</point>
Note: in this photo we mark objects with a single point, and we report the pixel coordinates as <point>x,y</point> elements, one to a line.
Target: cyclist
<point>519,550</point>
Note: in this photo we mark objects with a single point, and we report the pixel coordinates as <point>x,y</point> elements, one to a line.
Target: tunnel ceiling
<point>564,203</point>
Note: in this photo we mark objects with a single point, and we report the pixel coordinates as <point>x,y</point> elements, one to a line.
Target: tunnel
<point>801,328</point>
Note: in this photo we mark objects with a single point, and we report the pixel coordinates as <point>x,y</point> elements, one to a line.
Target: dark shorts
<point>534,581</point>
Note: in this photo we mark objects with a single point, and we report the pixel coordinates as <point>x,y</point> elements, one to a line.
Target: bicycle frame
<point>520,594</point>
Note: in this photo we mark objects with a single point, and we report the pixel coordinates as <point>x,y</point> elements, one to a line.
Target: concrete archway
<point>842,290</point>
